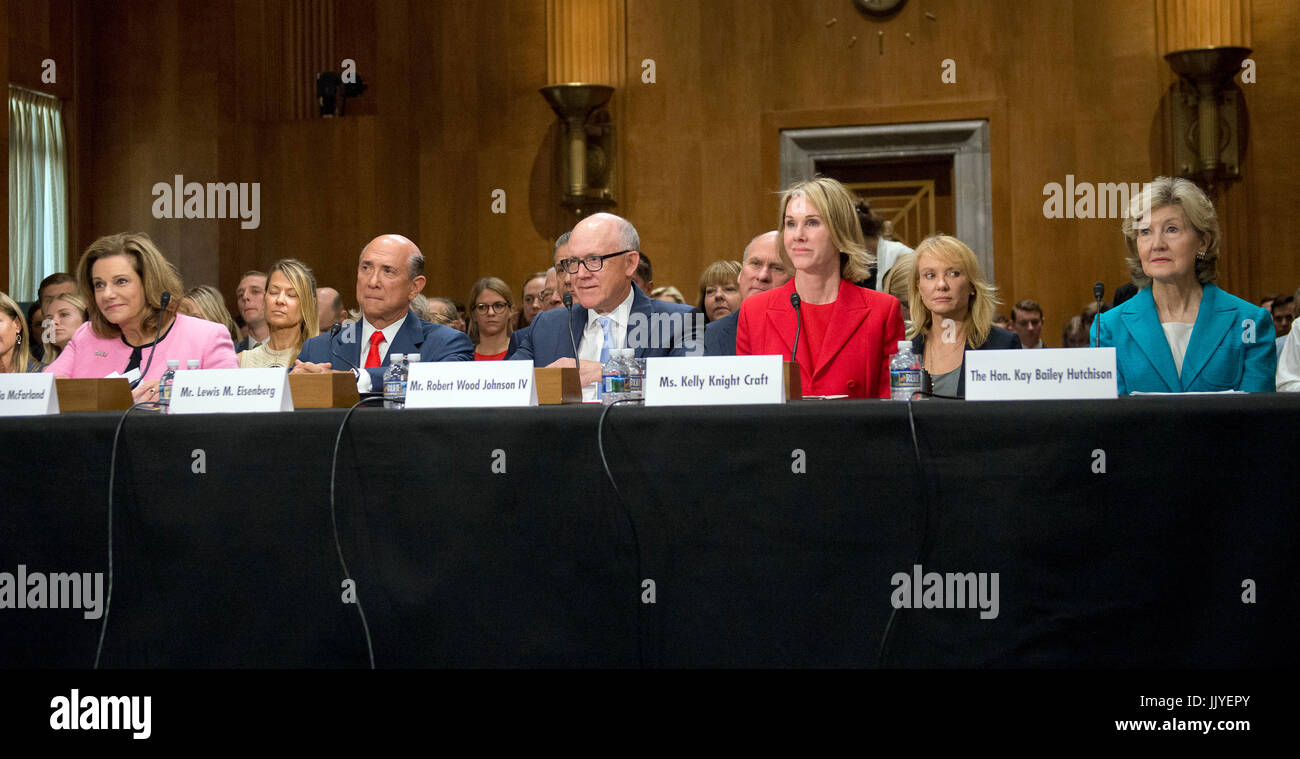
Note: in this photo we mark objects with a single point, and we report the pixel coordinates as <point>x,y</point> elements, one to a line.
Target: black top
<point>137,351</point>
<point>998,339</point>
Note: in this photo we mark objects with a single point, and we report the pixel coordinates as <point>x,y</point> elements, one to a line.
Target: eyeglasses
<point>593,263</point>
<point>496,308</point>
<point>546,296</point>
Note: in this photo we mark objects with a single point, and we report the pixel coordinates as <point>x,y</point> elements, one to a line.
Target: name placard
<point>228,391</point>
<point>28,395</point>
<point>471,384</point>
<point>1046,374</point>
<point>714,380</point>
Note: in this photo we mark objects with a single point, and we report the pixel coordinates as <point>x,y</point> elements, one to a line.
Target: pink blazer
<point>89,356</point>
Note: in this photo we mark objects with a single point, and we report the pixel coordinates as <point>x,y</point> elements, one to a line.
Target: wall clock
<point>879,8</point>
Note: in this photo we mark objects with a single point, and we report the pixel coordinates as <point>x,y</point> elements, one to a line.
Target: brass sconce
<point>587,161</point>
<point>1207,137</point>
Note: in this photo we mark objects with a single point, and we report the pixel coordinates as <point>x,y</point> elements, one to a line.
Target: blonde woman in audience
<point>67,312</point>
<point>719,290</point>
<point>291,314</point>
<point>667,294</point>
<point>897,281</point>
<point>15,353</point>
<point>491,319</point>
<point>205,302</point>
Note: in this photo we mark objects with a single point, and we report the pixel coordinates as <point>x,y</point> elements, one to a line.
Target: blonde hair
<point>211,306</point>
<point>1197,207</point>
<point>157,275</point>
<point>984,301</point>
<point>718,273</point>
<point>898,279</point>
<point>836,206</point>
<point>21,355</point>
<point>497,286</point>
<point>302,279</point>
<point>52,350</point>
<point>670,291</point>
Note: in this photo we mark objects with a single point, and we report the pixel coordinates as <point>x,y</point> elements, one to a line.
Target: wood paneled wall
<point>452,114</point>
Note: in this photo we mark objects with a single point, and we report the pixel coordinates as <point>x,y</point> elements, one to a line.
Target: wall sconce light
<point>1207,137</point>
<point>587,161</point>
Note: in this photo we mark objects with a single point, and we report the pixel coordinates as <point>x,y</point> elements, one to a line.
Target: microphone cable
<point>163,300</point>
<point>627,514</point>
<point>112,479</point>
<point>924,543</point>
<point>334,523</point>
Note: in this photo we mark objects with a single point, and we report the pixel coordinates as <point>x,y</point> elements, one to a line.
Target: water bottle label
<point>905,378</point>
<point>393,388</point>
<point>635,383</point>
<point>613,383</point>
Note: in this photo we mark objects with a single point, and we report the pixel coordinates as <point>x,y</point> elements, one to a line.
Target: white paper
<point>229,391</point>
<point>28,395</point>
<point>714,380</point>
<point>1050,374</point>
<point>470,384</point>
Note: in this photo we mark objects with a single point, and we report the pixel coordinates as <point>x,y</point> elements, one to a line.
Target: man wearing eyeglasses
<point>599,262</point>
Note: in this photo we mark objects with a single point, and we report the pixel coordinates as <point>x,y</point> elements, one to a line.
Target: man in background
<point>1027,322</point>
<point>251,304</point>
<point>760,271</point>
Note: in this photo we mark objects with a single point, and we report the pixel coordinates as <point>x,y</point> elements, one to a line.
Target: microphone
<point>798,324</point>
<point>568,305</point>
<point>334,332</point>
<point>1098,290</point>
<point>162,308</point>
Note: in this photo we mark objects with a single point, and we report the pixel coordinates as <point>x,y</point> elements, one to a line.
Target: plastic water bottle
<point>395,382</point>
<point>165,384</point>
<point>192,364</point>
<point>635,375</point>
<point>613,377</point>
<point>904,373</point>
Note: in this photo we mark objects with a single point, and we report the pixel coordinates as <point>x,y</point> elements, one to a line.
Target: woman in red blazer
<point>848,333</point>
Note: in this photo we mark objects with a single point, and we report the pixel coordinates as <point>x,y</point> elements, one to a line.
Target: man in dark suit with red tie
<point>390,273</point>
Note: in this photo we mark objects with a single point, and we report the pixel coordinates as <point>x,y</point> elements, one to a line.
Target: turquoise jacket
<point>1231,348</point>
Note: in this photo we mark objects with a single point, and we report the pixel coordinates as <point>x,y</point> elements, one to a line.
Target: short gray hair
<point>416,264</point>
<point>628,239</point>
<point>1197,207</point>
<point>560,242</point>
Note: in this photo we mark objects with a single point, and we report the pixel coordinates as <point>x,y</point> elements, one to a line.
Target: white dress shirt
<point>1179,336</point>
<point>593,337</point>
<point>368,329</point>
<point>1288,363</point>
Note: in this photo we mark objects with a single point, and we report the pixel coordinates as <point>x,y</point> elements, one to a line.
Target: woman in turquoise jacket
<point>1181,333</point>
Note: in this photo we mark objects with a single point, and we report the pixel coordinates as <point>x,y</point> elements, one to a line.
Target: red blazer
<point>861,338</point>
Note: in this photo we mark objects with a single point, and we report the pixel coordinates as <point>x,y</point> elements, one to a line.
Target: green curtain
<point>38,191</point>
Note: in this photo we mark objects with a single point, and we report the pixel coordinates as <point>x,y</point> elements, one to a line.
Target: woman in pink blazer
<point>847,333</point>
<point>126,279</point>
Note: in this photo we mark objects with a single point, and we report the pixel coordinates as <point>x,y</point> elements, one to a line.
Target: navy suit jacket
<point>720,335</point>
<point>999,339</point>
<point>1232,346</point>
<point>547,338</point>
<point>434,342</point>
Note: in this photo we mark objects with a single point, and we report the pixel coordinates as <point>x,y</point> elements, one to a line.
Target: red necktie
<point>372,360</point>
